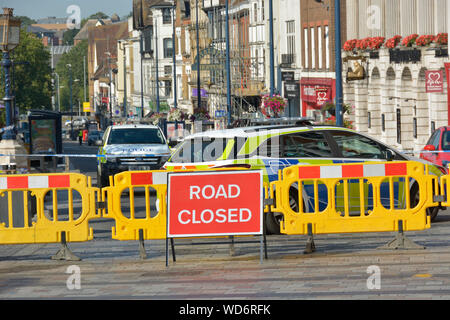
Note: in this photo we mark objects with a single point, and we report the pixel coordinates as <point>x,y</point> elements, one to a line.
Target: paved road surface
<point>346,266</point>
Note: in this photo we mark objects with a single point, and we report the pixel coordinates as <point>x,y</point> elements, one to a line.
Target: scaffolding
<point>246,67</point>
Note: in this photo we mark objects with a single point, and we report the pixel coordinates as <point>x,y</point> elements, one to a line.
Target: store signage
<point>434,80</point>
<point>215,203</point>
<point>323,95</point>
<point>291,90</point>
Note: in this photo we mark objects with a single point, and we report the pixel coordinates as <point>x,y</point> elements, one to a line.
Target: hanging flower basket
<point>175,114</point>
<point>155,117</point>
<point>200,114</point>
<point>393,42</point>
<point>272,106</point>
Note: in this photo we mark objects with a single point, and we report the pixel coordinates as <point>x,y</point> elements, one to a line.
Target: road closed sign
<point>215,204</point>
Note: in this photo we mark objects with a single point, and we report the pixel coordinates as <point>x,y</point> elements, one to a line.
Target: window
<point>200,150</point>
<point>306,53</point>
<point>305,145</point>
<point>320,46</point>
<point>255,12</point>
<point>415,128</point>
<point>167,88</point>
<point>187,7</point>
<point>399,126</point>
<point>369,120</point>
<point>167,16</point>
<point>327,48</point>
<point>290,33</point>
<point>262,10</point>
<point>446,140</point>
<point>168,48</point>
<point>313,48</point>
<point>136,136</point>
<point>353,145</point>
<point>383,122</point>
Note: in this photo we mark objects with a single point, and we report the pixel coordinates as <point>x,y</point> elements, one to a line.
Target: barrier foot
<point>142,252</point>
<point>172,245</point>
<point>65,253</point>
<point>310,245</point>
<point>401,241</point>
<point>232,248</point>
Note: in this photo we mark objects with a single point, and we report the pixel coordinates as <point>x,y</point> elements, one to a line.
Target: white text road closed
<point>215,203</point>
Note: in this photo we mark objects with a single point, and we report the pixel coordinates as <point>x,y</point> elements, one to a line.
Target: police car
<point>275,147</point>
<point>130,147</point>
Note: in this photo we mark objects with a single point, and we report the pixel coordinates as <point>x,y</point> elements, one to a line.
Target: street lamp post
<point>71,100</point>
<point>339,94</point>
<point>10,36</point>
<point>175,102</point>
<point>199,96</point>
<point>227,34</point>
<point>272,54</point>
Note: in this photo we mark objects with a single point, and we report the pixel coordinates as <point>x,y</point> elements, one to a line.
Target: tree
<point>75,58</point>
<point>33,80</point>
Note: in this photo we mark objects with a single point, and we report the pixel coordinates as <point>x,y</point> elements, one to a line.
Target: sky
<point>37,9</point>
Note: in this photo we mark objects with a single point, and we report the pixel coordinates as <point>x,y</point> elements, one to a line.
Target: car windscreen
<point>200,150</point>
<point>136,136</point>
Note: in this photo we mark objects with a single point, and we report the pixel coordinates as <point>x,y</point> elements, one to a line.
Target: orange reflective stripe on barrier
<point>346,198</point>
<point>145,208</point>
<point>32,209</point>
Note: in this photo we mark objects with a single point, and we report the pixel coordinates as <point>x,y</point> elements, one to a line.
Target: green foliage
<point>69,35</point>
<point>75,58</point>
<point>33,84</point>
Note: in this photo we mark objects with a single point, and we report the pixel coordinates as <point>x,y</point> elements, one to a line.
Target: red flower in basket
<point>393,42</point>
<point>441,38</point>
<point>409,40</point>
<point>424,40</point>
<point>363,44</point>
<point>376,42</point>
<point>349,45</point>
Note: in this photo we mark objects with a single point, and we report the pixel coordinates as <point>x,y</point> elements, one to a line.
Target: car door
<point>308,148</point>
<point>353,147</point>
<point>434,141</point>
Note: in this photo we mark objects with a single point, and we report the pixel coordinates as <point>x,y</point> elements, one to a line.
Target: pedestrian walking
<point>80,137</point>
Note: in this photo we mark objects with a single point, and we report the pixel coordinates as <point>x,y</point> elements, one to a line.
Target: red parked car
<point>437,149</point>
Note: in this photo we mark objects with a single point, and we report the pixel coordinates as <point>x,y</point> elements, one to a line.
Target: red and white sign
<point>323,95</point>
<point>353,171</point>
<point>34,182</point>
<point>434,81</point>
<point>215,204</point>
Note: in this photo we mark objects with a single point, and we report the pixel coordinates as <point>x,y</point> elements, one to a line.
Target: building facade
<point>318,80</point>
<point>393,100</point>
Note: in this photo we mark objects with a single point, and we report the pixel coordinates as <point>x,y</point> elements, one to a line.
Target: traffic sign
<point>86,107</point>
<point>215,204</point>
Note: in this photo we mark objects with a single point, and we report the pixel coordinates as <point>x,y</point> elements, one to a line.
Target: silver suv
<point>131,147</point>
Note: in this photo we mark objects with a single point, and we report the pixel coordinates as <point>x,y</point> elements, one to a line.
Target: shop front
<point>315,92</point>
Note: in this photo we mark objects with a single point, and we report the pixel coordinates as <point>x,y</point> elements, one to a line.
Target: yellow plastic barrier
<point>347,185</point>
<point>49,225</point>
<point>128,228</point>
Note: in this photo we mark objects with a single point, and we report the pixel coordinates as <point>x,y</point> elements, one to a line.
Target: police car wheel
<point>273,220</point>
<point>415,198</point>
